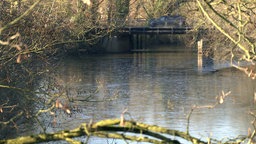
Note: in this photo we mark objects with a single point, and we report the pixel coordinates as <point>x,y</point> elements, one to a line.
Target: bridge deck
<point>155,30</point>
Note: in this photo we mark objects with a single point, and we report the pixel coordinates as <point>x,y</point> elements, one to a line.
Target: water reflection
<point>158,88</point>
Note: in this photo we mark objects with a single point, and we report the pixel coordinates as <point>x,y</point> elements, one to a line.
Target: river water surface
<point>157,88</point>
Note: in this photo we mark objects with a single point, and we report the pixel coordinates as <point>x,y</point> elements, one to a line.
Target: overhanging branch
<point>247,53</point>
<point>20,17</point>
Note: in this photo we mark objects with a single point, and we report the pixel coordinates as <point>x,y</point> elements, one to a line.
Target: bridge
<point>139,36</point>
<point>137,33</point>
<point>155,30</point>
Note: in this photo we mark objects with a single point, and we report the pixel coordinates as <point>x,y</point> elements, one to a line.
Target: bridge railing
<point>156,30</point>
<point>141,26</point>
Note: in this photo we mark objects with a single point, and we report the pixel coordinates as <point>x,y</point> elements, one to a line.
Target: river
<point>157,88</point>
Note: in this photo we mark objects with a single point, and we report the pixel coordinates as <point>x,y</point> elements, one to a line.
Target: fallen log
<point>112,128</point>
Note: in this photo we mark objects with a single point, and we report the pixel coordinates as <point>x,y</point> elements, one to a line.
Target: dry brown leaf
<point>221,100</point>
<point>18,59</point>
<point>58,104</point>
<point>122,120</point>
<point>52,113</point>
<point>68,111</point>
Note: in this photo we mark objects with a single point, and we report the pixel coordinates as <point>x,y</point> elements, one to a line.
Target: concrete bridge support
<point>126,43</point>
<point>138,42</point>
<point>118,43</point>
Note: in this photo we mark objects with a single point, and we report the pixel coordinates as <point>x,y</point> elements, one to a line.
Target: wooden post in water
<point>200,54</point>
